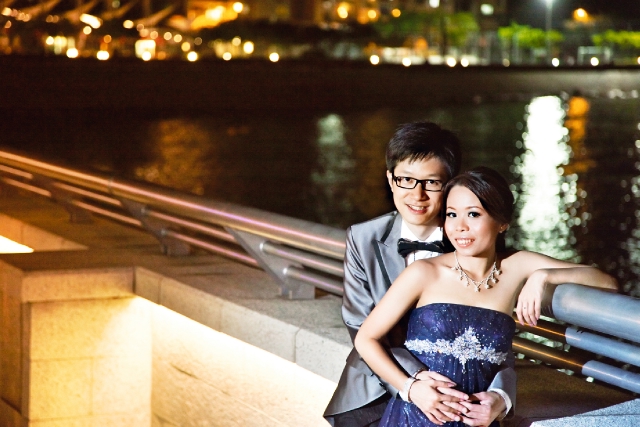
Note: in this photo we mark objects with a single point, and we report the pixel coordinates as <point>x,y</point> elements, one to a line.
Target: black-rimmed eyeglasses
<point>409,183</point>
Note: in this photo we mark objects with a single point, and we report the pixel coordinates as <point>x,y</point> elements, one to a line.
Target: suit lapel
<point>390,262</point>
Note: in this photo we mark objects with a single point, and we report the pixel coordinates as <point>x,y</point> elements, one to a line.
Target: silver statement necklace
<point>477,284</point>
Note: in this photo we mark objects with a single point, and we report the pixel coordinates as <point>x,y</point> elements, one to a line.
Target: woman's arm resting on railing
<point>546,273</point>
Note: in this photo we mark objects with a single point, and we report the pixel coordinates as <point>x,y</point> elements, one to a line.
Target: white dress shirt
<point>405,233</point>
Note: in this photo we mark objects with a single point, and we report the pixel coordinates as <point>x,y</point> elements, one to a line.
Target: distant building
<point>489,13</point>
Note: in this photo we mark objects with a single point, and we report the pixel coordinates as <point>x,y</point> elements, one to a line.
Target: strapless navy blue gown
<point>466,344</point>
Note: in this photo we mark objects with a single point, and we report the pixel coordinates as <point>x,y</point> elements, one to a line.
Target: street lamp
<point>580,15</point>
<point>548,26</point>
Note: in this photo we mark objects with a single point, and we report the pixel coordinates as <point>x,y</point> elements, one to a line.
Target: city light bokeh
<point>395,31</point>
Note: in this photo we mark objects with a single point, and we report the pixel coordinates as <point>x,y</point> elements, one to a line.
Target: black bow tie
<point>406,246</point>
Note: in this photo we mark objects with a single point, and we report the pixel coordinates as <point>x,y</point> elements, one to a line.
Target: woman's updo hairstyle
<point>493,192</point>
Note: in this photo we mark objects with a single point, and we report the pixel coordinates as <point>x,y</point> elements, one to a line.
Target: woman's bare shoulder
<point>526,262</point>
<point>413,277</point>
<point>518,257</point>
<point>433,265</point>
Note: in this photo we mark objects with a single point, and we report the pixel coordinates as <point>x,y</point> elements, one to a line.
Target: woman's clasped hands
<point>434,394</point>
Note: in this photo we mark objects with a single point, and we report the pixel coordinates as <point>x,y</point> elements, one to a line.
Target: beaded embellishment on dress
<point>442,335</point>
<point>464,347</point>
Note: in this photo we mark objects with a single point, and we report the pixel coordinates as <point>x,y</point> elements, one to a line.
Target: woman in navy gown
<point>460,323</point>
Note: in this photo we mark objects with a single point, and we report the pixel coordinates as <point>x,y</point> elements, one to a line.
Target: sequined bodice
<point>453,338</point>
<point>466,344</point>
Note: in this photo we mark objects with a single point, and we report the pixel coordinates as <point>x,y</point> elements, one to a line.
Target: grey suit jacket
<point>371,264</point>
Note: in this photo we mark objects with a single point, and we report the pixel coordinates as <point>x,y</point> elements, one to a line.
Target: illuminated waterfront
<point>454,33</point>
<point>573,160</point>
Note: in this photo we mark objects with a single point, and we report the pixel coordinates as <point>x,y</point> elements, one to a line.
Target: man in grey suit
<point>421,157</point>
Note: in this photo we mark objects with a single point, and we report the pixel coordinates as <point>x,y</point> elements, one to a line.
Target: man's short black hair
<point>424,140</point>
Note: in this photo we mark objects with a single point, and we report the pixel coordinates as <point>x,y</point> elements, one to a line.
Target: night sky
<point>532,12</point>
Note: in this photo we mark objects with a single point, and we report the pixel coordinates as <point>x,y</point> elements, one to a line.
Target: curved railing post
<point>275,266</point>
<point>157,228</point>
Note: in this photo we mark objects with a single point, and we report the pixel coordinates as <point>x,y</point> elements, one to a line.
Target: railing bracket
<point>275,266</point>
<point>76,215</point>
<point>168,245</point>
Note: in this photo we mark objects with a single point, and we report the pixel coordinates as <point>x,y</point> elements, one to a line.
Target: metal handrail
<point>298,233</point>
<point>303,256</point>
<point>617,316</point>
<point>304,245</point>
<point>604,312</point>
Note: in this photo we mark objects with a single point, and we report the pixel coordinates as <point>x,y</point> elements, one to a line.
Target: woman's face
<point>468,225</point>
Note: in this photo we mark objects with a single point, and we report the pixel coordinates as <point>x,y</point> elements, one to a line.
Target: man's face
<point>418,208</point>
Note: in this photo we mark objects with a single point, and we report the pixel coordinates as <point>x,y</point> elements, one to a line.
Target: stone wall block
<point>68,245</point>
<point>190,402</point>
<point>63,422</point>
<point>125,420</point>
<point>40,240</point>
<point>122,385</point>
<point>201,364</point>
<point>11,280</point>
<point>34,237</point>
<point>192,303</point>
<point>282,391</point>
<point>94,328</point>
<point>11,228</point>
<point>78,284</point>
<point>147,284</point>
<point>137,420</point>
<point>60,389</point>
<point>11,341</point>
<point>262,331</point>
<point>305,404</point>
<point>322,352</point>
<point>174,339</point>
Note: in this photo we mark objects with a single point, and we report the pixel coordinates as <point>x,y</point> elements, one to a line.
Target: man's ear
<point>390,179</point>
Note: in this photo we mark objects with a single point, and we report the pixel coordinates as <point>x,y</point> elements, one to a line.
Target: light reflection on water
<point>573,162</point>
<point>334,171</point>
<point>183,156</point>
<point>544,195</point>
<point>349,181</point>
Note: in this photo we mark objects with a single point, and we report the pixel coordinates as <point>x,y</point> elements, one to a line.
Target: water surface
<point>573,162</point>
